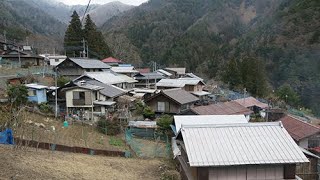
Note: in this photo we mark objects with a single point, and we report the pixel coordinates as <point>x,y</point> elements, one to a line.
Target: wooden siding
<point>174,108</point>
<point>253,172</point>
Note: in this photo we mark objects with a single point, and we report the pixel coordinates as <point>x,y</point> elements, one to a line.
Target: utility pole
<point>19,57</point>
<point>244,95</point>
<point>87,50</point>
<point>5,36</point>
<point>84,48</point>
<point>56,93</point>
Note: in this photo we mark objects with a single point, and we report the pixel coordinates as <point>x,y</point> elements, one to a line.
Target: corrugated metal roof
<point>226,108</point>
<point>179,71</point>
<point>129,69</point>
<point>104,103</point>
<point>36,86</point>
<point>251,101</point>
<point>201,93</point>
<point>90,63</point>
<point>85,85</point>
<point>240,144</point>
<point>152,75</point>
<point>180,96</point>
<point>194,76</point>
<point>164,72</point>
<point>144,90</point>
<point>299,129</point>
<point>143,124</point>
<point>181,82</point>
<point>108,77</point>
<point>208,119</point>
<point>111,60</point>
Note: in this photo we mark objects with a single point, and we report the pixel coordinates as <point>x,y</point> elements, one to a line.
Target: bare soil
<point>41,164</point>
<point>80,135</point>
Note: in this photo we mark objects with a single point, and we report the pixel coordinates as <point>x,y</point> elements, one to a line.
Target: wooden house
<point>176,72</point>
<point>111,78</point>
<point>23,58</point>
<point>90,99</point>
<point>73,68</point>
<point>172,101</point>
<point>148,80</point>
<point>188,84</point>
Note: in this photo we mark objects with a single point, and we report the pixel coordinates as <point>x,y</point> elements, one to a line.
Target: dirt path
<point>41,164</point>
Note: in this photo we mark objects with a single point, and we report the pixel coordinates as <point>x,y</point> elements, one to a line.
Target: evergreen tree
<point>253,76</point>
<point>96,43</point>
<point>287,94</point>
<point>73,37</point>
<point>232,74</point>
<point>248,73</point>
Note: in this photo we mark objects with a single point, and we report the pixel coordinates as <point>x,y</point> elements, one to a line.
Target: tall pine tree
<point>98,48</point>
<point>73,37</point>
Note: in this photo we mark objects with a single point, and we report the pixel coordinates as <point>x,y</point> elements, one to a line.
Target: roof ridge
<point>233,125</point>
<point>296,118</point>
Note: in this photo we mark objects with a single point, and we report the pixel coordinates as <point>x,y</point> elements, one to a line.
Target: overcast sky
<point>74,2</point>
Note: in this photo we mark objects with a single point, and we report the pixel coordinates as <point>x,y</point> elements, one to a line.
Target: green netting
<point>150,145</point>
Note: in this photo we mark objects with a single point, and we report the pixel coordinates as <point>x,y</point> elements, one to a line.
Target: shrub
<point>148,113</point>
<point>139,108</point>
<point>164,122</point>
<point>45,108</point>
<point>61,81</point>
<point>109,127</point>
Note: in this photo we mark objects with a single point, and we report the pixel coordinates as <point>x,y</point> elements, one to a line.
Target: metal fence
<point>150,146</point>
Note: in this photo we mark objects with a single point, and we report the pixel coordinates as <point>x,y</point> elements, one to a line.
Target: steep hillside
<point>21,20</point>
<point>100,13</point>
<point>104,12</point>
<point>289,43</point>
<point>203,35</point>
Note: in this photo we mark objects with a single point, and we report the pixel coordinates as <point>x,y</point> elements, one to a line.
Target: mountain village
<point>209,131</point>
<point>158,91</point>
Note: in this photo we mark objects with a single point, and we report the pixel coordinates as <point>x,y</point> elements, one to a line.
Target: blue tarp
<point>6,137</point>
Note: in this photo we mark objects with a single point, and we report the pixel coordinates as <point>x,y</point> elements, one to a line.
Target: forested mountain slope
<point>204,35</point>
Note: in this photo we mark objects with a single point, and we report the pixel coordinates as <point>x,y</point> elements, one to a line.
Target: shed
<point>37,93</point>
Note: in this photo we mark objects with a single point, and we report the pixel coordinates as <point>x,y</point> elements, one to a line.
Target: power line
<point>85,11</point>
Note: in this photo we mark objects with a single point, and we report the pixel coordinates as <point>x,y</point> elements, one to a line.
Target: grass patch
<point>115,141</point>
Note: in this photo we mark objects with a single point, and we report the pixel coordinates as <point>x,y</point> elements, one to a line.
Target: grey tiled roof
<point>108,90</point>
<point>181,96</point>
<point>90,63</point>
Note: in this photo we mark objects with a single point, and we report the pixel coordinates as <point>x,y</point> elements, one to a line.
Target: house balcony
<point>80,102</point>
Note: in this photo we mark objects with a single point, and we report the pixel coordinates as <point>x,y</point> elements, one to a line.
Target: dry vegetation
<point>42,164</point>
<point>75,135</point>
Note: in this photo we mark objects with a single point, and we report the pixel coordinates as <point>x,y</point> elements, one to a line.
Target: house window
<point>313,142</point>
<point>161,106</point>
<point>184,107</point>
<point>82,98</point>
<point>32,92</point>
<point>56,60</point>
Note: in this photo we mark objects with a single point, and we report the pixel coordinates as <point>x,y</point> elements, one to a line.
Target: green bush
<point>148,113</point>
<point>115,141</point>
<point>109,127</point>
<point>164,122</point>
<point>45,108</point>
<point>61,81</point>
<point>139,108</point>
